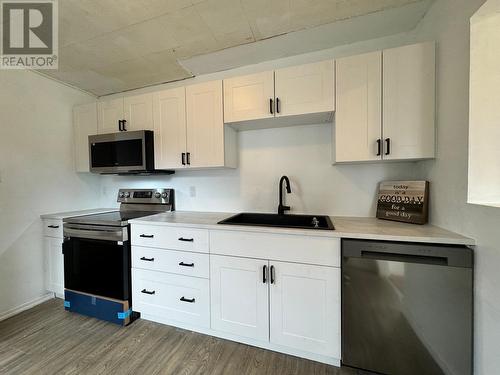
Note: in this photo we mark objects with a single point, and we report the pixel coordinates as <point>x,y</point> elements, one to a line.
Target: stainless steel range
<point>97,258</point>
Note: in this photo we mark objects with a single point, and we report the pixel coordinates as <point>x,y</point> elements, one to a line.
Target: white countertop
<point>345,227</point>
<point>64,215</point>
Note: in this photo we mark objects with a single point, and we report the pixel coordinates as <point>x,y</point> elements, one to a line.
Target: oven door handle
<point>105,234</point>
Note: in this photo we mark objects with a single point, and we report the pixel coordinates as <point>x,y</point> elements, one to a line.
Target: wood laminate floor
<point>48,340</point>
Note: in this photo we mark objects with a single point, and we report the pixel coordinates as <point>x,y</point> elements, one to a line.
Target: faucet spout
<point>281,207</point>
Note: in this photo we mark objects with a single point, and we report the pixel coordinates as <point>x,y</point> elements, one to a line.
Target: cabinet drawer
<point>53,228</point>
<point>323,251</point>
<point>179,262</point>
<point>173,297</point>
<point>176,238</point>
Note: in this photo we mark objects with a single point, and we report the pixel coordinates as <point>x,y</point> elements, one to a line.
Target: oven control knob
<point>122,194</point>
<point>164,195</point>
<point>127,194</point>
<point>157,195</point>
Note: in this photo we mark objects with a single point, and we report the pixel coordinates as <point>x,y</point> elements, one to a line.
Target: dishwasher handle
<point>405,258</point>
<point>409,252</point>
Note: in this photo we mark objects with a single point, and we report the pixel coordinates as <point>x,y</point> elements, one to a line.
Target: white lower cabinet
<point>54,265</point>
<point>171,297</point>
<point>273,290</point>
<point>288,304</point>
<point>305,307</point>
<point>240,294</point>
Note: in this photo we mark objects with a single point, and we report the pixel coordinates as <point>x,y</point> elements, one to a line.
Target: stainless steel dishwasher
<point>407,308</point>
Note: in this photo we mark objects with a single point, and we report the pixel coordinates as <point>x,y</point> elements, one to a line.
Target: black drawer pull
<point>148,259</point>
<point>186,264</point>
<point>183,299</point>
<point>186,239</point>
<point>147,292</point>
<point>146,235</point>
<point>53,226</point>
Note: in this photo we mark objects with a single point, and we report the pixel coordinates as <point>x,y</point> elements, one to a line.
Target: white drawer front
<point>53,228</point>
<point>179,262</point>
<point>321,251</point>
<point>168,296</point>
<point>176,238</point>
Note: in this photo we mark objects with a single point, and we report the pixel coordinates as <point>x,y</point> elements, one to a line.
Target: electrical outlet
<point>192,191</point>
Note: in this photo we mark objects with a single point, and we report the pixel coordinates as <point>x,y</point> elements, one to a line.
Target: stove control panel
<point>146,196</point>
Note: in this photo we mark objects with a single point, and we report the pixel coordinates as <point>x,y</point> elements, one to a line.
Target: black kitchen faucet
<point>281,207</point>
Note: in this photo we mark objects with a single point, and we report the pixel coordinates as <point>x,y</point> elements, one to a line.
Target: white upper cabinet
<point>84,124</point>
<point>305,89</point>
<point>239,296</point>
<point>358,117</point>
<point>409,102</point>
<point>110,112</point>
<point>169,108</point>
<point>125,114</point>
<point>300,90</point>
<point>386,105</point>
<point>305,307</point>
<point>249,97</point>
<point>138,112</point>
<point>209,144</point>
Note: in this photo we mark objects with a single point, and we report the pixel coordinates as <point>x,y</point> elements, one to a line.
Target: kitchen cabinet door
<point>54,265</point>
<point>249,97</point>
<point>205,125</point>
<point>358,118</point>
<point>305,89</point>
<point>138,112</point>
<point>109,113</point>
<point>239,296</point>
<point>409,102</point>
<point>305,307</point>
<point>169,108</point>
<point>84,124</point>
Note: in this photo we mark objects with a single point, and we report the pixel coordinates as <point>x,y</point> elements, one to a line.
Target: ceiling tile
<point>226,19</point>
<point>267,18</point>
<point>112,45</point>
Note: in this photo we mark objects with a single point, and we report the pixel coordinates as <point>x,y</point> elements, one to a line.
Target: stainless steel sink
<point>318,222</point>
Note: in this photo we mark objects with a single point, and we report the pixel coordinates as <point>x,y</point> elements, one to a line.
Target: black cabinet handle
<point>123,125</point>
<point>146,235</point>
<point>188,158</point>
<point>271,106</point>
<point>379,147</point>
<point>53,226</point>
<point>387,146</point>
<point>148,259</point>
<point>277,105</point>
<point>183,299</point>
<point>272,275</point>
<point>186,239</point>
<point>147,292</point>
<point>183,158</point>
<point>120,125</point>
<point>186,264</point>
<point>264,274</point>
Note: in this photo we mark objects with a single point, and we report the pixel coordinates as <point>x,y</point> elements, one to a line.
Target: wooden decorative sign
<point>405,201</point>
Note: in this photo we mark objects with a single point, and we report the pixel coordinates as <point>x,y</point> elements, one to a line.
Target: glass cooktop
<point>115,218</point>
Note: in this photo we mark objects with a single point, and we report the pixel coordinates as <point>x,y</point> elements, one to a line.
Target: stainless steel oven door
<point>97,260</point>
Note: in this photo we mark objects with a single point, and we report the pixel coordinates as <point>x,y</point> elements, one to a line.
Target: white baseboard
<point>25,306</point>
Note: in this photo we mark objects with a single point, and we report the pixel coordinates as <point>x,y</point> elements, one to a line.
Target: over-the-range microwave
<point>130,152</point>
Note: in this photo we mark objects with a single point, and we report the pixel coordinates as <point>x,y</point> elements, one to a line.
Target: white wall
<point>36,176</point>
<point>303,153</point>
<point>448,22</point>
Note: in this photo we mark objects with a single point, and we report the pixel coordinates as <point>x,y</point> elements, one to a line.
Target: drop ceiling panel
<point>107,46</point>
